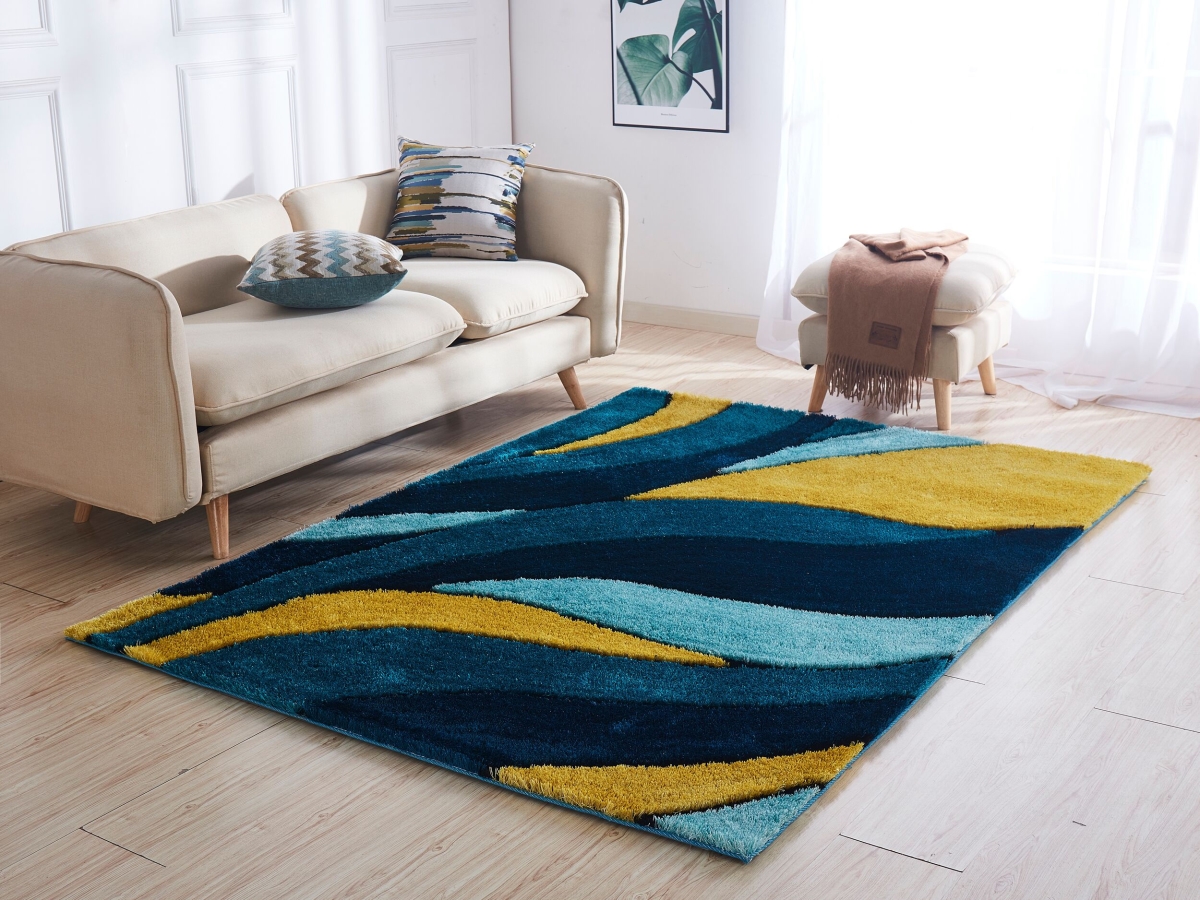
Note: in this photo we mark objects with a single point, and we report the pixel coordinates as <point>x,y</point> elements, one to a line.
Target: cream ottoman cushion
<point>954,351</point>
<point>971,284</point>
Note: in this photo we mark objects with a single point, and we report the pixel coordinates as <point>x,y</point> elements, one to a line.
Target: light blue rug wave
<point>743,829</point>
<point>881,441</point>
<point>735,629</point>
<point>398,524</point>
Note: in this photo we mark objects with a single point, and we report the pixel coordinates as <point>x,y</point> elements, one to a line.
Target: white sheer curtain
<point>1065,132</point>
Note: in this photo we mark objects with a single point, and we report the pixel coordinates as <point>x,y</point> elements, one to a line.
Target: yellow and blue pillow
<point>458,201</point>
<point>323,270</point>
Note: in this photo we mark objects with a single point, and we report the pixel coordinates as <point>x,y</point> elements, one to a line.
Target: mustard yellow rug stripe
<point>133,611</point>
<point>404,609</point>
<point>985,486</point>
<point>681,410</point>
<point>626,792</point>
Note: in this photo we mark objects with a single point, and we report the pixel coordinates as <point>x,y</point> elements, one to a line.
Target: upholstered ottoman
<point>970,323</point>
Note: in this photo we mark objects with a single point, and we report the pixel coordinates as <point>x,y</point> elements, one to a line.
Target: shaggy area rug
<point>679,613</point>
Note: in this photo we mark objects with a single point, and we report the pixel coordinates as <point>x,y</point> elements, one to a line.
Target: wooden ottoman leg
<point>817,398</point>
<point>941,402</point>
<point>987,374</point>
<point>570,381</point>
<point>83,512</point>
<point>218,525</point>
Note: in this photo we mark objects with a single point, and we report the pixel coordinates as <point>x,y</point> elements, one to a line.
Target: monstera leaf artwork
<point>661,69</point>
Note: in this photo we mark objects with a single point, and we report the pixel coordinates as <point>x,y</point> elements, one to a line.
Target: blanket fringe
<point>874,384</point>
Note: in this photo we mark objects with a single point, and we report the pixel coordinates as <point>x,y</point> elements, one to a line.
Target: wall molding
<point>431,49</point>
<point>692,319</point>
<point>394,10</point>
<point>182,23</point>
<point>190,72</point>
<point>48,88</point>
<point>41,36</point>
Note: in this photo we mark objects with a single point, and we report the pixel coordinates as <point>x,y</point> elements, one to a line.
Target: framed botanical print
<point>670,63</point>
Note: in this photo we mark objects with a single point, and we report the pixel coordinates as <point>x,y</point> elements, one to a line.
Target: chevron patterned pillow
<point>458,201</point>
<point>323,270</point>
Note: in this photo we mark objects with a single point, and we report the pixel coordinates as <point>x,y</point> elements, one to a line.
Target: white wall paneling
<point>443,111</point>
<point>189,16</point>
<point>448,71</point>
<point>35,201</point>
<point>240,134</point>
<point>147,105</point>
<point>25,23</point>
<point>398,9</point>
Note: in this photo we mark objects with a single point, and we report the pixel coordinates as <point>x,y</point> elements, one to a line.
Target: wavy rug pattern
<point>683,614</point>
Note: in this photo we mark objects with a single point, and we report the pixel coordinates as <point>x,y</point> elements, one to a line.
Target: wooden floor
<point>1060,758</point>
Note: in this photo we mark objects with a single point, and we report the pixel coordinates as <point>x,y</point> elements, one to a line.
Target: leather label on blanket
<point>883,335</point>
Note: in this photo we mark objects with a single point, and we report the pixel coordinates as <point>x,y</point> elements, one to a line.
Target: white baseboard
<point>694,319</point>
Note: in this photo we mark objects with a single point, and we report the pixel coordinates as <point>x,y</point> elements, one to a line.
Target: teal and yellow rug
<point>679,613</point>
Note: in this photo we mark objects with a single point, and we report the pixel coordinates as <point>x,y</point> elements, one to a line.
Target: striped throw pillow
<point>458,201</point>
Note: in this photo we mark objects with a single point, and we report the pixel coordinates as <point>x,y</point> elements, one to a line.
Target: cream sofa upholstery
<point>253,355</point>
<point>577,221</point>
<point>135,377</point>
<point>494,296</point>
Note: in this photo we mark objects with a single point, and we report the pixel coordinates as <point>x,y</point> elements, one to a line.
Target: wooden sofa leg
<point>83,512</point>
<point>218,525</point>
<point>987,374</point>
<point>941,403</point>
<point>820,386</point>
<point>571,382</point>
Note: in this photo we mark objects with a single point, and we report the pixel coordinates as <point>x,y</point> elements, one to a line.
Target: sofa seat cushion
<point>971,284</point>
<point>254,355</point>
<point>495,296</point>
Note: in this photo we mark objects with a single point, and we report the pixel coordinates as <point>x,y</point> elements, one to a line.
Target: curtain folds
<point>1066,134</point>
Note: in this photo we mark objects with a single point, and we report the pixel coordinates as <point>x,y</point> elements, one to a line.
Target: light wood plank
<point>82,732</point>
<point>979,776</point>
<point>77,867</point>
<point>944,783</point>
<point>1161,683</point>
<point>1121,820</point>
<point>117,558</point>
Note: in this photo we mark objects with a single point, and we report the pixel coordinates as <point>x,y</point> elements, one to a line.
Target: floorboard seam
<point>1145,587</point>
<point>898,853</point>
<point>968,680</point>
<point>126,849</point>
<point>35,593</point>
<point>1113,712</point>
<point>178,774</point>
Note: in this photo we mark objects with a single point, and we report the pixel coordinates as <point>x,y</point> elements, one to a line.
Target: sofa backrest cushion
<point>199,253</point>
<point>365,203</point>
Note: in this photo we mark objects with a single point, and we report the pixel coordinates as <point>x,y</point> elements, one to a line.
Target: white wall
<point>701,204</point>
<point>110,110</point>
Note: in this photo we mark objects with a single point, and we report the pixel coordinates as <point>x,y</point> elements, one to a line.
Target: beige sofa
<point>135,377</point>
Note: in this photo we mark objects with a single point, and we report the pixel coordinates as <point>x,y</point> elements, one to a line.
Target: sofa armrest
<point>581,222</point>
<point>95,390</point>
